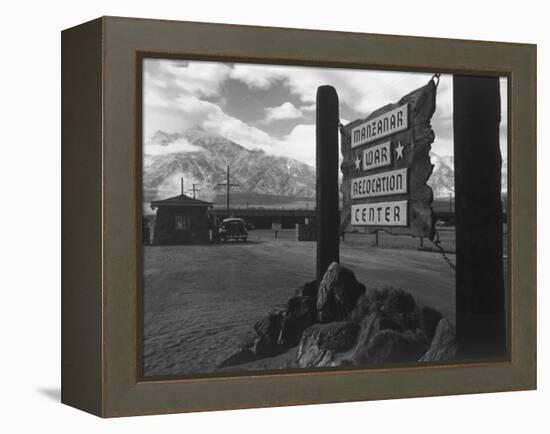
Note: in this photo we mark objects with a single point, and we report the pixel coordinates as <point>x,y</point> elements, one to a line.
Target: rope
<point>437,243</point>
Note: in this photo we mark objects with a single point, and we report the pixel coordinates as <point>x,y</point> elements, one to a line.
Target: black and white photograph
<point>299,217</point>
<point>243,217</point>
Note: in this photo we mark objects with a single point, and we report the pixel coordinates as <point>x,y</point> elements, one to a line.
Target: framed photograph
<point>259,217</point>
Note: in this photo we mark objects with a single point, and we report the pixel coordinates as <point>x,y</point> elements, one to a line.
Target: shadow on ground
<point>52,393</point>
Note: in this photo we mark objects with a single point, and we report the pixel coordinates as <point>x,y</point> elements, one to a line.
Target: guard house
<point>181,220</point>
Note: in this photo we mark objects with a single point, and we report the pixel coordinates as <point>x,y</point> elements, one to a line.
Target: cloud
<point>286,110</point>
<point>174,92</point>
<point>236,130</point>
<point>173,114</point>
<point>175,77</point>
<point>180,145</point>
<point>202,78</point>
<point>362,90</point>
<point>174,101</point>
<point>187,111</point>
<point>308,107</point>
<point>181,95</point>
<point>258,76</point>
<point>298,144</point>
<point>177,111</point>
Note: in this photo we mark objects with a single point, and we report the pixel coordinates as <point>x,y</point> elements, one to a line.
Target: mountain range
<point>442,179</point>
<point>201,158</point>
<point>203,161</point>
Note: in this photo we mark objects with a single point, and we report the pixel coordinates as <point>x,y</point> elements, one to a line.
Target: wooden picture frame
<point>101,228</point>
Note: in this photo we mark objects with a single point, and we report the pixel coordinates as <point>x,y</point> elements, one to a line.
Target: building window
<point>183,222</point>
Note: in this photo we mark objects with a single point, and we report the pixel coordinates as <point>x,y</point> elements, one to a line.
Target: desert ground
<point>201,302</point>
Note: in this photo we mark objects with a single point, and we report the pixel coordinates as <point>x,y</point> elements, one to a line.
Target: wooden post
<point>195,190</point>
<point>327,179</point>
<point>480,297</point>
<point>228,188</point>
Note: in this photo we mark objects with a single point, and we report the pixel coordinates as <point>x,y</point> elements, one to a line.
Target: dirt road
<point>201,301</point>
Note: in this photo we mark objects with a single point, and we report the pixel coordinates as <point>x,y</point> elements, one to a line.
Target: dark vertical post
<point>181,181</point>
<point>228,187</point>
<point>327,178</point>
<point>195,190</point>
<point>480,298</point>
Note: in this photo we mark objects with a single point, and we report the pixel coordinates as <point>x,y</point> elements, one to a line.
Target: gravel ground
<point>200,302</point>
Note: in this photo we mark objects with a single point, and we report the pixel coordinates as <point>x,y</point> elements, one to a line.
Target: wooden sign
<point>385,167</point>
<point>376,156</point>
<point>380,214</point>
<point>380,184</point>
<point>381,126</point>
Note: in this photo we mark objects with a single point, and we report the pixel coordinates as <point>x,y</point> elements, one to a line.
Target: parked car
<point>233,229</point>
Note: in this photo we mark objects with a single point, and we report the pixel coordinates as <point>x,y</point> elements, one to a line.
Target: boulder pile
<point>339,322</point>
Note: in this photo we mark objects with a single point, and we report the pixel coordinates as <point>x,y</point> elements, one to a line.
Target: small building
<point>181,220</point>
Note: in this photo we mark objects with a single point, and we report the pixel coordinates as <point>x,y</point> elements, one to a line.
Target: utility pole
<point>228,185</point>
<point>195,190</point>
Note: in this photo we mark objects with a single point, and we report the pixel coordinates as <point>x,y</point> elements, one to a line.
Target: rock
<point>338,294</point>
<point>396,302</point>
<point>242,355</point>
<point>262,347</point>
<point>404,322</point>
<point>309,289</point>
<point>428,319</point>
<point>369,327</point>
<point>443,346</point>
<point>396,305</point>
<point>269,327</point>
<point>246,339</point>
<point>391,346</point>
<point>321,342</point>
<point>362,309</point>
<point>391,302</point>
<point>299,315</point>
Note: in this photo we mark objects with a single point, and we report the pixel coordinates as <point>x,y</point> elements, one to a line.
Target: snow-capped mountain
<point>442,179</point>
<point>202,158</point>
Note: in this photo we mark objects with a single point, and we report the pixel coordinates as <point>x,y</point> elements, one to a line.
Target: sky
<point>272,107</point>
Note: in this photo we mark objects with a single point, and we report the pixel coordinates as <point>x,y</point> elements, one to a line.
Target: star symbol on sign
<point>357,163</point>
<point>399,150</point>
